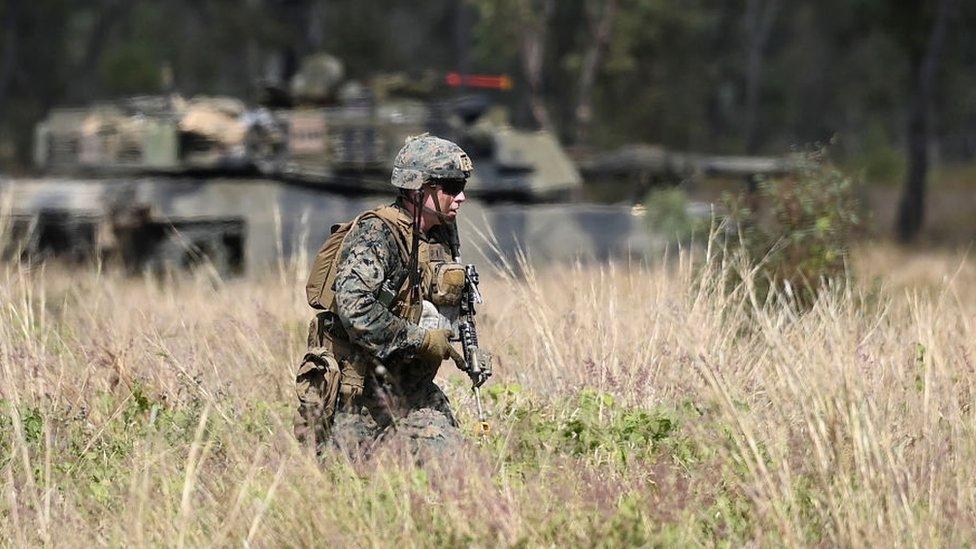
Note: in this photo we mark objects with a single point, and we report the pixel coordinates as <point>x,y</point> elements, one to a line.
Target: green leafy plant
<point>798,238</point>
<point>590,425</point>
<point>668,215</point>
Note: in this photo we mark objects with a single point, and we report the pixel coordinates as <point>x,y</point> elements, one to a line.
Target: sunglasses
<point>451,186</point>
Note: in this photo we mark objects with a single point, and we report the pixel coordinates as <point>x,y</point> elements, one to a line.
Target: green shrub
<point>590,425</point>
<point>798,239</point>
<point>668,215</point>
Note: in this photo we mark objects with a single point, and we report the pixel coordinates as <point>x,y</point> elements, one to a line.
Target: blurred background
<point>258,123</point>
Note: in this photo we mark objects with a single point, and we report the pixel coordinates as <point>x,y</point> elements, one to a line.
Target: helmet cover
<point>425,157</point>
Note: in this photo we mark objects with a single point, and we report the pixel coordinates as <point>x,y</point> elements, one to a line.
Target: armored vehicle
<point>149,134</point>
<point>325,131</point>
<point>168,182</point>
<point>353,147</point>
<point>345,133</point>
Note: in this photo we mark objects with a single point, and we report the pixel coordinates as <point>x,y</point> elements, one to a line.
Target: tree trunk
<point>463,31</point>
<point>303,20</point>
<point>911,211</point>
<point>8,64</point>
<point>759,22</point>
<point>314,25</point>
<point>532,51</point>
<point>601,32</point>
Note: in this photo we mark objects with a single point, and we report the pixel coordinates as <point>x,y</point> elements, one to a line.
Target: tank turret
<point>346,134</point>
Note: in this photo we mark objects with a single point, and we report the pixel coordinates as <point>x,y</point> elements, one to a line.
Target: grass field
<point>630,406</point>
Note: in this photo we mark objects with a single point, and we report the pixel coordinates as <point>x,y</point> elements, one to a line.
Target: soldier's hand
<point>436,346</point>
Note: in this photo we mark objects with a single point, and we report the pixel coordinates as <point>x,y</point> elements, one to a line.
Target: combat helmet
<point>424,157</point>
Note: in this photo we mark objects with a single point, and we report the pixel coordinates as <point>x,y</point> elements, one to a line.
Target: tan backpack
<point>319,290</point>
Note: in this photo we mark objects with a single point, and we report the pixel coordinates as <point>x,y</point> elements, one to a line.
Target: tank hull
<point>251,225</point>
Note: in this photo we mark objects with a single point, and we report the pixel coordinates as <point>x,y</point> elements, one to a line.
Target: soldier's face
<point>448,196</point>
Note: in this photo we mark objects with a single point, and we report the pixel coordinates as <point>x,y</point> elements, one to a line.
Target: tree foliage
<point>714,75</point>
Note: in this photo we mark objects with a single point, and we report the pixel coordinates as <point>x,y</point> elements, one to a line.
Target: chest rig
<point>402,293</point>
<point>437,279</point>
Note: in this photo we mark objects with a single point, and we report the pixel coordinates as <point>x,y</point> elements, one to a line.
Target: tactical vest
<point>330,352</point>
<point>320,289</point>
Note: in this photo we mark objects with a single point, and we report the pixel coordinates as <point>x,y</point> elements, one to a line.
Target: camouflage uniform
<point>363,333</point>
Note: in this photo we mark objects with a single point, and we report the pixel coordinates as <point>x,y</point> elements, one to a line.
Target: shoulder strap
<point>401,228</point>
<point>319,289</point>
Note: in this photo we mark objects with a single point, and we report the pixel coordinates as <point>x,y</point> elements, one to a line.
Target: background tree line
<point>894,81</point>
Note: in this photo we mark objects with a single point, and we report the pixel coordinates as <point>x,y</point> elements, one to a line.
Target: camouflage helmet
<point>425,157</point>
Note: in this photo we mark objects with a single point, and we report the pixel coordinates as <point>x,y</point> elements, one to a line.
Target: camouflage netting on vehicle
<point>219,119</point>
<point>317,79</point>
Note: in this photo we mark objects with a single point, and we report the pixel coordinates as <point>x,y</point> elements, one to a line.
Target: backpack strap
<point>320,289</point>
<point>401,228</point>
<point>398,225</point>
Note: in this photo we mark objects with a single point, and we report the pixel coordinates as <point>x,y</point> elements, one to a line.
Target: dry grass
<point>631,406</point>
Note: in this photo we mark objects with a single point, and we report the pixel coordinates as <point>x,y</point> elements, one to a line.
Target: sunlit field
<point>630,406</point>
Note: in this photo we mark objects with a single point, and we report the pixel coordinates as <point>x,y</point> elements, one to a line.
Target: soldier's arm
<point>368,254</point>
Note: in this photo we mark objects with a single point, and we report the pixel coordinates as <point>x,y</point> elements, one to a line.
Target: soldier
<point>383,283</point>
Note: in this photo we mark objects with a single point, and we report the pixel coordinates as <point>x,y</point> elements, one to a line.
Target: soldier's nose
<point>459,197</point>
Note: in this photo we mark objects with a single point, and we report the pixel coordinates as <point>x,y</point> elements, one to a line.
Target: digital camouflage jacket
<point>371,256</point>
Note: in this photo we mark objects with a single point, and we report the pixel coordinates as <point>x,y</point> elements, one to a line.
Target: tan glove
<point>437,347</point>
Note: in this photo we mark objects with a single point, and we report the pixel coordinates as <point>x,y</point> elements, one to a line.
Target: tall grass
<point>631,405</point>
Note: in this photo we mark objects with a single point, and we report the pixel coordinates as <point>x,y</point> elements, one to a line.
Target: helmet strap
<point>414,268</point>
<point>436,210</point>
<point>450,226</point>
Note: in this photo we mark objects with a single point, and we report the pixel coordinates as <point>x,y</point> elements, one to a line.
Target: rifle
<point>478,361</point>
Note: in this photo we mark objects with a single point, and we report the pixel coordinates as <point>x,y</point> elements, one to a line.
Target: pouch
<point>317,384</point>
<point>447,284</point>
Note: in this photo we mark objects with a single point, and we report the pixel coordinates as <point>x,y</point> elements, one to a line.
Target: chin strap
<point>451,227</point>
<point>419,209</point>
<point>453,240</point>
<point>436,210</point>
<point>414,267</point>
